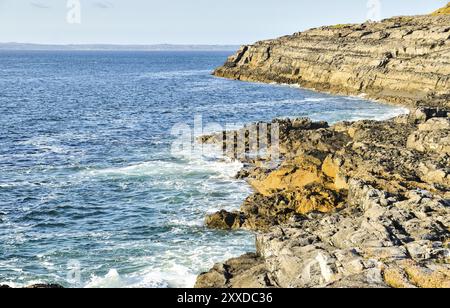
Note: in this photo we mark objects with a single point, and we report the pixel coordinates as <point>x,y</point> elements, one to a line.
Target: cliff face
<point>401,60</point>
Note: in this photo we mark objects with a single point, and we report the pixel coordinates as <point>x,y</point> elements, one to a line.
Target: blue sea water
<point>90,194</point>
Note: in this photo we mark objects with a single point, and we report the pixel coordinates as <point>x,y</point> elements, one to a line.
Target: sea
<point>91,191</point>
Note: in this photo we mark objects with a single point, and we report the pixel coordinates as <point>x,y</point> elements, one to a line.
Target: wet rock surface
<point>45,286</point>
<point>37,286</point>
<point>351,205</point>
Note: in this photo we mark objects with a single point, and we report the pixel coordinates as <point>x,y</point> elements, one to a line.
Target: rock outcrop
<point>363,204</point>
<point>37,286</point>
<point>396,156</point>
<point>400,60</point>
<point>376,241</point>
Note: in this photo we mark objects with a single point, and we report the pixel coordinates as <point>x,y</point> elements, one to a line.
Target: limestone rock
<point>37,286</point>
<point>423,114</point>
<point>430,141</point>
<point>372,243</point>
<point>435,124</point>
<point>396,157</point>
<point>45,286</point>
<point>247,272</point>
<point>364,209</point>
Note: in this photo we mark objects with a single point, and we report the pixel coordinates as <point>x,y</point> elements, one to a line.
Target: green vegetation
<point>405,19</point>
<point>341,26</point>
<point>443,11</point>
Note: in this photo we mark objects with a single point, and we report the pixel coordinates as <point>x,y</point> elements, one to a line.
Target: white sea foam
<point>272,103</point>
<point>45,144</point>
<point>110,280</point>
<point>186,222</point>
<point>220,166</point>
<point>167,168</point>
<point>316,99</point>
<point>173,74</point>
<point>7,185</point>
<point>175,277</point>
<point>394,112</point>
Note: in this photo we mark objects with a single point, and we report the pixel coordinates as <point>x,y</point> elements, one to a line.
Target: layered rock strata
<point>399,60</point>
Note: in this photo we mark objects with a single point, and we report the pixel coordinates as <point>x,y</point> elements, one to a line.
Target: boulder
<point>435,124</point>
<point>437,141</point>
<point>45,286</point>
<point>423,114</point>
<point>224,220</point>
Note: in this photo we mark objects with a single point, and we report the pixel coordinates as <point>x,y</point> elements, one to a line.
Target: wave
<point>166,168</point>
<point>46,144</point>
<point>212,163</point>
<point>272,103</point>
<point>379,115</point>
<point>173,74</point>
<point>335,100</point>
<point>187,223</point>
<point>175,277</point>
<point>392,113</point>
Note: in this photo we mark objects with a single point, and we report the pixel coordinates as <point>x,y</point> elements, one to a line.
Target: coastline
<point>355,204</point>
<point>358,203</point>
<point>208,181</point>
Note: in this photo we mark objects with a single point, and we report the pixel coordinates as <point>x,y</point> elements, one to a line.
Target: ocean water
<point>90,194</point>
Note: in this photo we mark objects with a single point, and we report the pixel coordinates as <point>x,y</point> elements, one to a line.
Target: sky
<point>185,21</point>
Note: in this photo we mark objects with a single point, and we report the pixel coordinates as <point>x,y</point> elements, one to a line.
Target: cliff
<point>400,60</point>
<point>356,204</point>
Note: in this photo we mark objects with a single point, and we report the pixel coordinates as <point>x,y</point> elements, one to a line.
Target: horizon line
<point>109,46</point>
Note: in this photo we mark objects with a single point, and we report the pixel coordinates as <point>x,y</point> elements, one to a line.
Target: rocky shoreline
<point>356,204</point>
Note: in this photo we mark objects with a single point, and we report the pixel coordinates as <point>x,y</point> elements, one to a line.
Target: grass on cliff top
<point>340,26</point>
<point>443,11</point>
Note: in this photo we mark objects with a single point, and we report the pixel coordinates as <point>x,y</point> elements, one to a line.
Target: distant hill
<point>106,47</point>
<point>443,11</point>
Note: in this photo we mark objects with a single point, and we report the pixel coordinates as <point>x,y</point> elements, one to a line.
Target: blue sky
<point>184,21</point>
